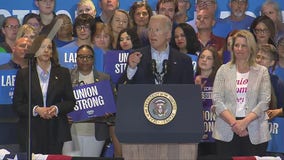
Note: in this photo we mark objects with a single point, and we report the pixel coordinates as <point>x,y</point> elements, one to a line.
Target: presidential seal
<point>160,108</point>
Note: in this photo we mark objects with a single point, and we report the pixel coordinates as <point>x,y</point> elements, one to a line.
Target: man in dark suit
<point>158,63</point>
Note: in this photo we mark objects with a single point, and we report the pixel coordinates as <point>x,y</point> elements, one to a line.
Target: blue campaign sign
<point>7,82</point>
<point>93,100</point>
<point>4,58</point>
<point>67,57</point>
<point>194,62</point>
<point>115,62</point>
<point>276,127</point>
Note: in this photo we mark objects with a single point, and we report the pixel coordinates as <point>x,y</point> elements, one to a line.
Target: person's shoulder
<point>177,52</point>
<point>5,66</point>
<point>218,37</point>
<point>226,67</point>
<point>259,67</point>
<point>103,76</point>
<point>59,68</point>
<point>249,18</point>
<point>143,50</point>
<point>70,45</point>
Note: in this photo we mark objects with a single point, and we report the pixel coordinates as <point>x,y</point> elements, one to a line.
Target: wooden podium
<point>170,151</point>
<point>142,139</point>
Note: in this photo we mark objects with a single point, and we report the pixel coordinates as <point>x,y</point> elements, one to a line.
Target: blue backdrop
<point>23,7</point>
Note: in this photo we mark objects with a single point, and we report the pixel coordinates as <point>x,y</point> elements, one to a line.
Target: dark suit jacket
<point>180,70</point>
<point>59,93</point>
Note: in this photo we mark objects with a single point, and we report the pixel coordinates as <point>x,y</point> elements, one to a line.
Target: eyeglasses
<point>84,27</point>
<point>87,57</point>
<point>11,27</point>
<point>261,31</point>
<point>35,25</point>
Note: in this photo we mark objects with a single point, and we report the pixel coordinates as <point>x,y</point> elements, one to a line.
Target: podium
<point>144,134</point>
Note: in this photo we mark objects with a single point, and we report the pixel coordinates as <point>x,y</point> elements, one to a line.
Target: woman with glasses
<point>85,142</point>
<point>271,9</point>
<point>82,30</point>
<point>140,14</point>
<point>9,29</point>
<point>33,20</point>
<point>263,30</point>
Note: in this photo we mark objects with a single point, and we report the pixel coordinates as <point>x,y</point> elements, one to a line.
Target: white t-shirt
<point>85,129</point>
<point>242,86</point>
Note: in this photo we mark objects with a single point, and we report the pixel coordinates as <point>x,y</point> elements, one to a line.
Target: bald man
<point>19,51</point>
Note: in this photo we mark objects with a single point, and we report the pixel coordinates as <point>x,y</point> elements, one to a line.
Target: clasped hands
<point>46,112</point>
<point>240,128</point>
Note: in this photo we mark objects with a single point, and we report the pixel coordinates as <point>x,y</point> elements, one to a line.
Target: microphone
<point>154,68</point>
<point>165,66</point>
<point>29,55</point>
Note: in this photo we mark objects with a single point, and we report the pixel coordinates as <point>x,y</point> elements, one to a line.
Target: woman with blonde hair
<point>87,7</point>
<point>27,31</point>
<point>241,94</point>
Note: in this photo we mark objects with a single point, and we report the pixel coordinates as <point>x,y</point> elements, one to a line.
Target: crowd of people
<point>238,61</point>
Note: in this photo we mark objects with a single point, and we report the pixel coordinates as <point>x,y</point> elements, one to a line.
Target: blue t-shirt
<point>224,26</point>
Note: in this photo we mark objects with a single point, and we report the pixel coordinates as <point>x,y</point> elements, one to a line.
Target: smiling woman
<point>241,94</point>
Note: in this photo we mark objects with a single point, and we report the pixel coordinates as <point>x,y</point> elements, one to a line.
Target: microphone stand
<point>159,76</point>
<point>30,57</point>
